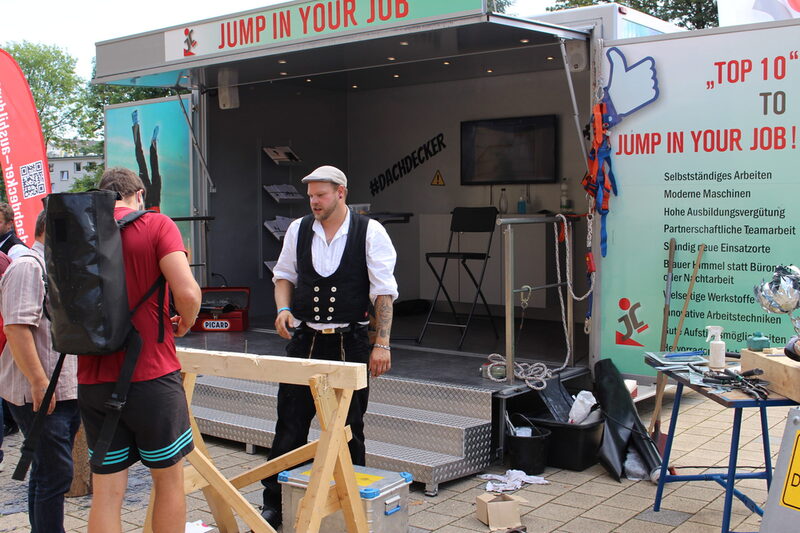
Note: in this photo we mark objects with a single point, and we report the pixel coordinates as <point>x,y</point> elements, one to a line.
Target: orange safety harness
<point>599,181</point>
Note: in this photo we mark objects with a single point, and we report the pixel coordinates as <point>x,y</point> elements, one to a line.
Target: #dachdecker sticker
<point>791,488</point>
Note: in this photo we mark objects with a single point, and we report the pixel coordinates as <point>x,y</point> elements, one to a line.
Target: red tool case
<point>224,309</point>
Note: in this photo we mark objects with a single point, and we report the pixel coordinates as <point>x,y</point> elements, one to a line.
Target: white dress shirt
<point>381,258</point>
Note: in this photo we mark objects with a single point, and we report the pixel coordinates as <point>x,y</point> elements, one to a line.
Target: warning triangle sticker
<point>438,179</point>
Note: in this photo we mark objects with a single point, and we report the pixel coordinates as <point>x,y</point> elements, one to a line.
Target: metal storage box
<point>384,493</point>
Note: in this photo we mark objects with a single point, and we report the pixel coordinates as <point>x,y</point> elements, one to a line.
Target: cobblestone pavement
<point>589,501</point>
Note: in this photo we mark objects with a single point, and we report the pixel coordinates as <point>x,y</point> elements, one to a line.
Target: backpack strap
<point>160,283</point>
<point>32,439</point>
<point>115,403</point>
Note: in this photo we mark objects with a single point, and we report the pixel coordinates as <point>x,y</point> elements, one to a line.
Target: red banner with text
<point>23,156</point>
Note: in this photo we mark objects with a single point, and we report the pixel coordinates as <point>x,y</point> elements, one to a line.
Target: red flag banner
<point>23,156</point>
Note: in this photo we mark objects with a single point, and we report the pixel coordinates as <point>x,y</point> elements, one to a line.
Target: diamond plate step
<point>461,401</point>
<point>436,432</point>
<point>426,466</point>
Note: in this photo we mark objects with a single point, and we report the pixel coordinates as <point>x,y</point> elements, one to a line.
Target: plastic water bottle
<point>503,201</point>
<point>522,207</point>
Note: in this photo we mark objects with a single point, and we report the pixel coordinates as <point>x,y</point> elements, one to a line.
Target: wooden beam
<point>340,375</point>
<point>228,493</point>
<point>194,481</point>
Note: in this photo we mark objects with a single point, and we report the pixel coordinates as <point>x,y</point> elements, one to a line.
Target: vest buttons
<point>330,309</point>
<point>330,318</point>
<point>316,289</point>
<point>333,289</point>
<point>316,298</point>
<point>316,318</point>
<point>316,309</point>
<point>333,299</point>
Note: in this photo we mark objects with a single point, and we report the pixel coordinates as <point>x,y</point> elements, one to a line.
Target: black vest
<point>11,241</point>
<point>342,297</point>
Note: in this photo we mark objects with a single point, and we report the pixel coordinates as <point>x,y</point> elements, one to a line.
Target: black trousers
<point>296,405</point>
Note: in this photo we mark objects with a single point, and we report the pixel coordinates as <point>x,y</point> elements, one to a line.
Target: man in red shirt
<point>154,426</point>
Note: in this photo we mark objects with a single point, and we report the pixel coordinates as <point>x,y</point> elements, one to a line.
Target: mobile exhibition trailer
<point>387,90</point>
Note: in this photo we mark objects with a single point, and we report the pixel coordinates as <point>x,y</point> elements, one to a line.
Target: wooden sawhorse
<point>332,384</point>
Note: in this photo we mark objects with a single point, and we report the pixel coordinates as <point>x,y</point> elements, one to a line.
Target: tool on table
<point>728,379</point>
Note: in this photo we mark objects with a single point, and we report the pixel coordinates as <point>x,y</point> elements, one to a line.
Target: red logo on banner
<point>631,322</point>
<point>189,42</point>
<point>23,157</point>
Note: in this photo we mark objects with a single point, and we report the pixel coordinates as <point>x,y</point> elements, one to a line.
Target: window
<point>51,167</point>
<point>77,166</point>
<point>65,175</point>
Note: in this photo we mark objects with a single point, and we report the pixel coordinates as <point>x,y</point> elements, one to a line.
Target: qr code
<point>32,179</point>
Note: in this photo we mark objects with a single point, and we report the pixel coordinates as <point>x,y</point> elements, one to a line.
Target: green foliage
<point>57,89</point>
<point>690,14</point>
<point>500,6</point>
<point>90,180</point>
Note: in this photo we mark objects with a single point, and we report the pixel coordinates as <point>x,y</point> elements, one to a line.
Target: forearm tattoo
<point>383,315</point>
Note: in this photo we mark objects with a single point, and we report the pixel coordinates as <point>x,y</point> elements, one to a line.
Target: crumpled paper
<point>511,480</point>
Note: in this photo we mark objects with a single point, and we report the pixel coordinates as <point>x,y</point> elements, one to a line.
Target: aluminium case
<point>384,494</point>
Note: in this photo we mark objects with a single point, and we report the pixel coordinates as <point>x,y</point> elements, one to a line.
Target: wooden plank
<point>355,517</point>
<point>340,375</point>
<point>782,373</point>
<point>273,466</point>
<point>228,493</point>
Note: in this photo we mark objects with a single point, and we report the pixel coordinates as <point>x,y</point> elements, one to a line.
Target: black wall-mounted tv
<point>509,150</point>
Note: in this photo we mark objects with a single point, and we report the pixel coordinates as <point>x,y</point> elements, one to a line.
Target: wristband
<point>385,347</point>
<point>285,309</point>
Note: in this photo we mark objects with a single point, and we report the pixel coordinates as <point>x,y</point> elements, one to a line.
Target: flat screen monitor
<point>509,150</point>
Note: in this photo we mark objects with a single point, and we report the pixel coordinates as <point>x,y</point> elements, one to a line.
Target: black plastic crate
<point>571,446</point>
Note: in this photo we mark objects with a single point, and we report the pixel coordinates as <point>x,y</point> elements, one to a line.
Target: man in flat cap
<point>333,265</point>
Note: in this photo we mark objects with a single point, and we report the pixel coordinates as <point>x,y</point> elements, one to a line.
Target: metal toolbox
<point>224,309</point>
<point>384,494</point>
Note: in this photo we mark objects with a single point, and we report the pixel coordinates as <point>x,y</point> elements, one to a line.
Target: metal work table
<point>737,401</point>
<point>507,224</point>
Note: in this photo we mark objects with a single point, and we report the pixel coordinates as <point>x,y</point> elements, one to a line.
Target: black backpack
<point>88,300</point>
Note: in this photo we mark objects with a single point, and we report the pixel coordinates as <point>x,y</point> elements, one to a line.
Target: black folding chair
<point>464,220</point>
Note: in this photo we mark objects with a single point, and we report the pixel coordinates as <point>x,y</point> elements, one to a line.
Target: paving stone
<point>664,516</point>
<point>555,511</point>
<point>536,524</point>
<point>678,503</point>
<point>639,526</point>
<point>606,513</point>
<point>714,517</point>
<point>430,521</point>
<point>453,508</point>
<point>470,523</point>
<point>583,525</point>
<point>579,500</point>
<point>599,489</point>
<point>628,501</point>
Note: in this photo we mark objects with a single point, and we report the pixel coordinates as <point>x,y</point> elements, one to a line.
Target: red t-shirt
<point>144,243</point>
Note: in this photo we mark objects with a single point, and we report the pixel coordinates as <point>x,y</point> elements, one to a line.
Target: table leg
<point>673,422</point>
<point>731,479</point>
<point>765,437</point>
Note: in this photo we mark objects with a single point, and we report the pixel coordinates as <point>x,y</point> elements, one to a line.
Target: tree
<point>90,180</point>
<point>690,14</point>
<point>57,89</point>
<point>500,6</point>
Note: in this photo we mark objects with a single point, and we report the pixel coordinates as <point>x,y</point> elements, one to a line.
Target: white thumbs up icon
<point>629,88</point>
